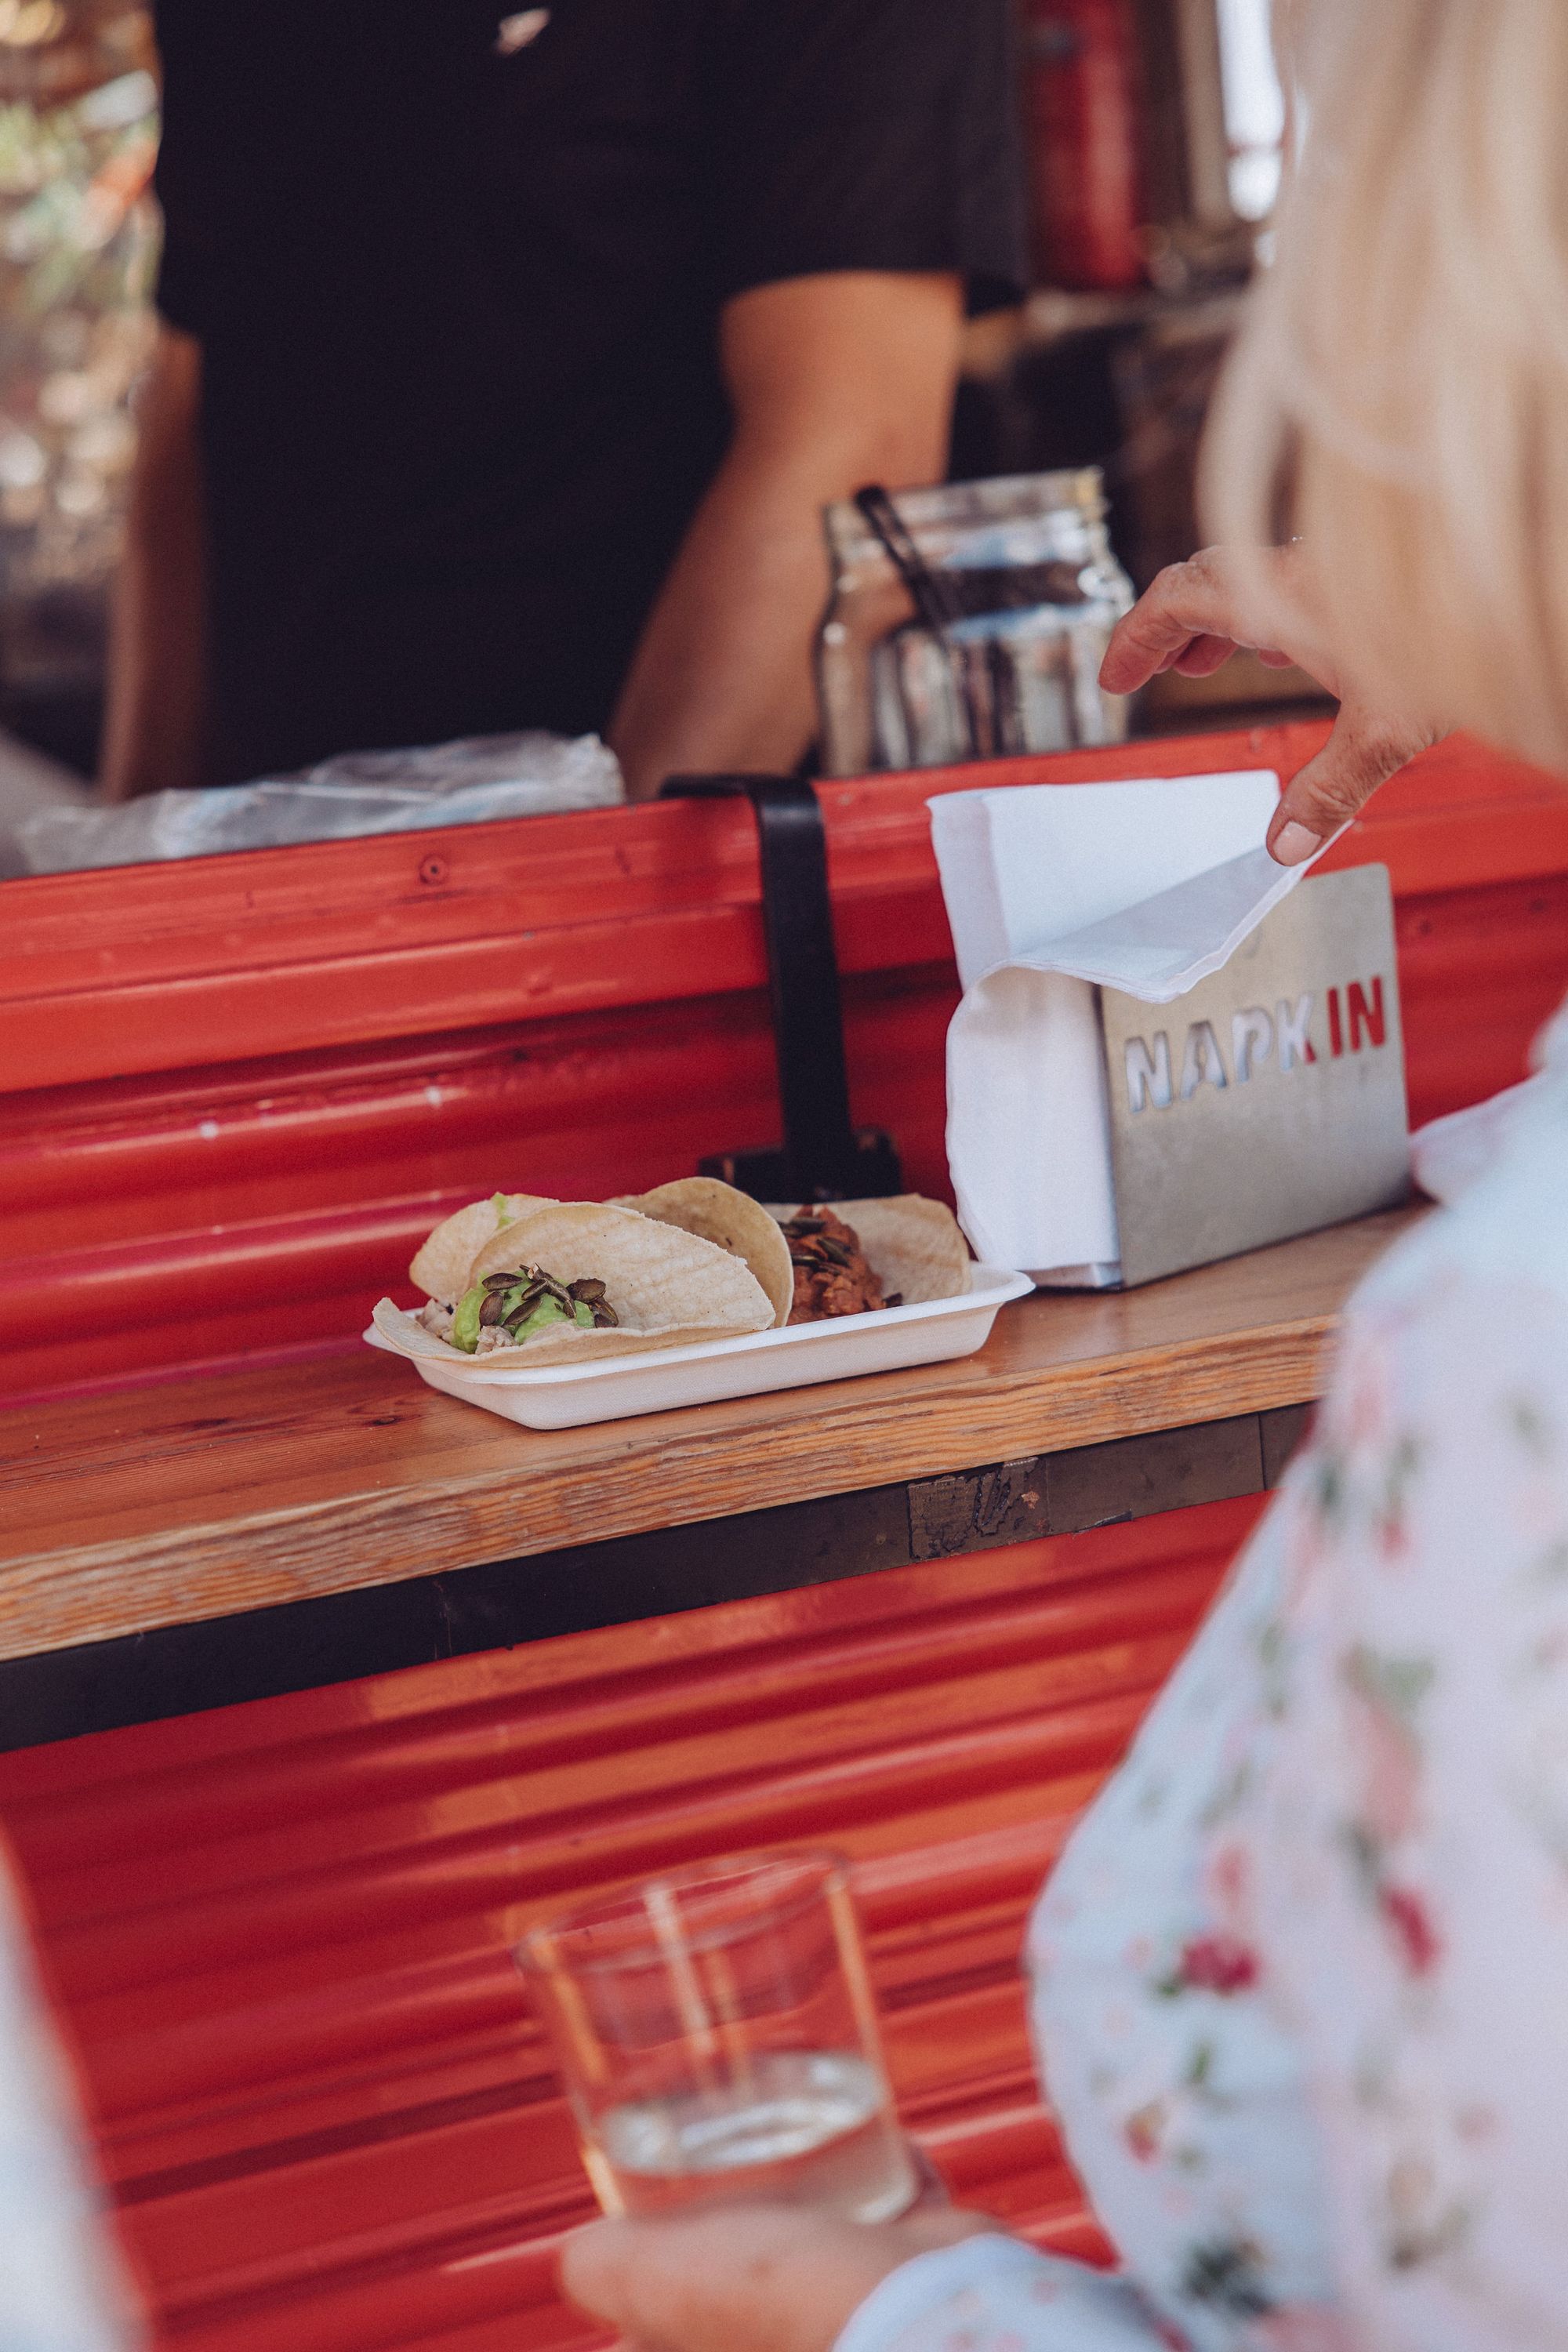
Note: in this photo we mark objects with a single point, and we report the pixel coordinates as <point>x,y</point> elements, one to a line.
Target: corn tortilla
<point>717,1212</point>
<point>656,1278</point>
<point>441,1263</point>
<point>560,1345</point>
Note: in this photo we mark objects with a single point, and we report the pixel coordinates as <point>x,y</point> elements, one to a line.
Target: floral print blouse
<point>1301,1976</point>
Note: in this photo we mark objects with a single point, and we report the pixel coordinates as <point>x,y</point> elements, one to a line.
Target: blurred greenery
<point>79,246</point>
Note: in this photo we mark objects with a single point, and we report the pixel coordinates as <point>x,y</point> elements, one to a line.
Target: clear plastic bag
<point>466,782</point>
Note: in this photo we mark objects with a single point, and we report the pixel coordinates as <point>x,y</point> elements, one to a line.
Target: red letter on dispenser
<point>1363,1015</point>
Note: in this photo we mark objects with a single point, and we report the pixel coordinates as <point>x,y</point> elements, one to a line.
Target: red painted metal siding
<point>231,1095</point>
<point>234,1093</point>
<point>278,1934</point>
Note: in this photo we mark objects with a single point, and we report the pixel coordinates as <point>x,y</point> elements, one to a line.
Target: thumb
<point>1364,750</point>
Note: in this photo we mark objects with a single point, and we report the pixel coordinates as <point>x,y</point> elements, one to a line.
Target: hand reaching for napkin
<point>1195,615</point>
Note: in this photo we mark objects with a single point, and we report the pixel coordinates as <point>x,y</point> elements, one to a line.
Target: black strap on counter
<point>823,1157</point>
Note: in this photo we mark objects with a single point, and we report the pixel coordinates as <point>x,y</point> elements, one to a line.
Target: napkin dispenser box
<point>1245,1083</point>
<point>1270,1099</point>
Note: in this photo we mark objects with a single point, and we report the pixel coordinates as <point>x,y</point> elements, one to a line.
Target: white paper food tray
<point>555,1396</point>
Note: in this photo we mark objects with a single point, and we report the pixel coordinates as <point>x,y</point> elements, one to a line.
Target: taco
<point>718,1213</point>
<point>852,1258</point>
<point>441,1263</point>
<point>570,1281</point>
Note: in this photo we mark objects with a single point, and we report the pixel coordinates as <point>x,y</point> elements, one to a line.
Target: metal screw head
<point>433,869</point>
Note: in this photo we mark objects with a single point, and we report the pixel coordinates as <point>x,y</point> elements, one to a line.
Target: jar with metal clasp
<point>968,622</point>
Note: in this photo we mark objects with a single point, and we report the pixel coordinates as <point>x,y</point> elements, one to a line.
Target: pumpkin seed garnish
<point>513,1296</point>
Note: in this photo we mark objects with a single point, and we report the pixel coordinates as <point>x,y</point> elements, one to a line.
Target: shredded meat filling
<point>831,1275</point>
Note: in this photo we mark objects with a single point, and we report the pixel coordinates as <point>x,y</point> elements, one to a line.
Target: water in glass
<point>805,2127</point>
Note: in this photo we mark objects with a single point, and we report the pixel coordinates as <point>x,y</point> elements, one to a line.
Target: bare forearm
<point>722,676</point>
<point>154,732</point>
<point>837,382</point>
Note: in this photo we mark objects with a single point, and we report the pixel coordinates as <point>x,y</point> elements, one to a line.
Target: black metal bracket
<point>823,1157</point>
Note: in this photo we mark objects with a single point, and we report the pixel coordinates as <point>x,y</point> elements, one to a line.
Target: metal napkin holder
<point>823,1157</point>
<point>1270,1099</point>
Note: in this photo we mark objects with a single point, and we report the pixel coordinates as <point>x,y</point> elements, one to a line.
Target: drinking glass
<point>718,2037</point>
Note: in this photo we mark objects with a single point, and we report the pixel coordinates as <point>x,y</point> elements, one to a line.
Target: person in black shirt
<point>506,361</point>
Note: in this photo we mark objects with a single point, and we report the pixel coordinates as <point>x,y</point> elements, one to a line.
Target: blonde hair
<point>1399,393</point>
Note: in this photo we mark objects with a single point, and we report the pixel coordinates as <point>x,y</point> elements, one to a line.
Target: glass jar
<point>1025,565</point>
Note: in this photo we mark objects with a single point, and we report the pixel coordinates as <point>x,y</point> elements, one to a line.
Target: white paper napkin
<point>1145,886</point>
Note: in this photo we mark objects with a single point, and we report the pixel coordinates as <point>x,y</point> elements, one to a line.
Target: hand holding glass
<point>718,2037</point>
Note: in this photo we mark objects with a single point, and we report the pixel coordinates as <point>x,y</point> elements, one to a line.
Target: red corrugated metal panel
<point>234,1093</point>
<point>278,1933</point>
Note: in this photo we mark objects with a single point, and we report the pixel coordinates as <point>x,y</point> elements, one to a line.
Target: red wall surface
<point>278,1934</point>
<point>234,1092</point>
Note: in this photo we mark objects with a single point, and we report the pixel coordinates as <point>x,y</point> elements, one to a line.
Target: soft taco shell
<point>717,1212</point>
<point>913,1245</point>
<point>559,1345</point>
<point>441,1263</point>
<point>658,1278</point>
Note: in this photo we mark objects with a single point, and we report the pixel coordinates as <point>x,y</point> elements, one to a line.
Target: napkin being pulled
<point>1053,890</point>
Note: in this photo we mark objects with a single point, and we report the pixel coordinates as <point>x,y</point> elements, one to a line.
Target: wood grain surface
<point>165,1504</point>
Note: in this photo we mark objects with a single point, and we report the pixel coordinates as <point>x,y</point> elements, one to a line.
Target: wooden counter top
<point>169,1505</point>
